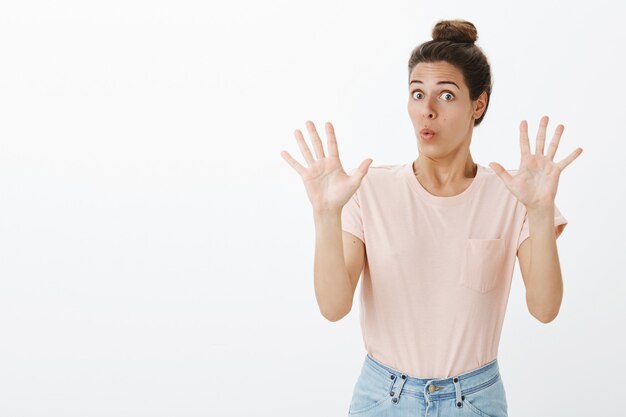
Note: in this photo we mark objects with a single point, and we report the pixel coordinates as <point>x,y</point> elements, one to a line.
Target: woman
<point>441,235</point>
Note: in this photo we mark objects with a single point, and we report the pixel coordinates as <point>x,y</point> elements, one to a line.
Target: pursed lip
<point>424,131</point>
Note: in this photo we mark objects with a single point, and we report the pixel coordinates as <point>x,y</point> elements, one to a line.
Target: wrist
<point>544,210</point>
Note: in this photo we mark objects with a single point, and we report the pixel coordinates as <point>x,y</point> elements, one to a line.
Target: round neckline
<point>453,200</point>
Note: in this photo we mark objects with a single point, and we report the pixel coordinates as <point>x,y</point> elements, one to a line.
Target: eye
<point>445,93</point>
<point>448,93</point>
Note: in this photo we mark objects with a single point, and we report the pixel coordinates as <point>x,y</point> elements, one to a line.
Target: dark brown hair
<point>453,42</point>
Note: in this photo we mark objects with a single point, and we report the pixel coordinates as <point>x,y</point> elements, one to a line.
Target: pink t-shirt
<point>437,271</point>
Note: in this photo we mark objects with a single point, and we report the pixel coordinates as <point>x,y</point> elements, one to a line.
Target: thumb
<point>496,167</point>
<point>364,167</point>
<point>361,171</point>
<point>501,172</point>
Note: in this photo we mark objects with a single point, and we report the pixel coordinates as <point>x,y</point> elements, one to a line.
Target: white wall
<point>156,252</point>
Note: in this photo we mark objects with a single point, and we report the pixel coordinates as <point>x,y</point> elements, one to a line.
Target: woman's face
<point>439,100</point>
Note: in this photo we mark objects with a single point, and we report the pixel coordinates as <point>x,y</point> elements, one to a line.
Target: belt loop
<point>395,392</point>
<point>457,389</point>
<point>427,396</point>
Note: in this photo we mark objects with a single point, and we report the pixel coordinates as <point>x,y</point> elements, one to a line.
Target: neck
<point>444,174</point>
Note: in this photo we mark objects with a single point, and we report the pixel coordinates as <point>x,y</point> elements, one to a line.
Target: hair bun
<point>456,30</point>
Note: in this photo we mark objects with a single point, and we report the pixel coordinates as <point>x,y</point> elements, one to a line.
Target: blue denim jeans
<point>384,391</point>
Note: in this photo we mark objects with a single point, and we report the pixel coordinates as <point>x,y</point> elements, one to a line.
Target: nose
<point>428,111</point>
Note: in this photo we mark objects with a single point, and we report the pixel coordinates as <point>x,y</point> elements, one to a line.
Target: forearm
<point>544,291</point>
<point>333,289</point>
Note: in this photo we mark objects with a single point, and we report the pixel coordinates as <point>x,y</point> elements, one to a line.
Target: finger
<point>362,170</point>
<point>565,162</point>
<point>524,142</point>
<point>554,143</point>
<point>541,135</point>
<point>304,148</point>
<point>501,172</point>
<point>295,164</point>
<point>331,140</point>
<point>315,139</point>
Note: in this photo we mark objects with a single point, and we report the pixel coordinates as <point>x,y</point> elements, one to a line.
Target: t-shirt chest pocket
<point>482,264</point>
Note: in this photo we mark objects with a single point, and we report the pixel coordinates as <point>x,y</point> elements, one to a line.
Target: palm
<point>537,179</point>
<point>327,184</point>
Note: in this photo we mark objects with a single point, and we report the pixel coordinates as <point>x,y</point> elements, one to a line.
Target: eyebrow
<point>440,82</point>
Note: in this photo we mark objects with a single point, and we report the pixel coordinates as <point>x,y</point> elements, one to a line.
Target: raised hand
<point>327,184</point>
<point>537,179</point>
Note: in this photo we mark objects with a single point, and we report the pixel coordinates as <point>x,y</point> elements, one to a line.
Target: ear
<point>479,105</point>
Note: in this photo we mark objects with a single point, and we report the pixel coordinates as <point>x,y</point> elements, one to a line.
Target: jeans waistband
<point>435,389</point>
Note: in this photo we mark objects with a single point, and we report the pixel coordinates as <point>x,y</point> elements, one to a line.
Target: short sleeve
<point>351,220</point>
<point>559,225</point>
